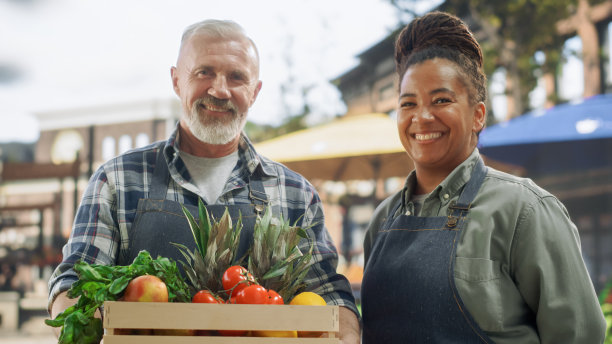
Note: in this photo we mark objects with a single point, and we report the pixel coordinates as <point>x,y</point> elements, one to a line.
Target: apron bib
<point>160,222</point>
<point>408,290</point>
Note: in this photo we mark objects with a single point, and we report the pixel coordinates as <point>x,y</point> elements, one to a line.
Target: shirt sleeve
<point>94,237</point>
<point>322,278</point>
<point>551,275</point>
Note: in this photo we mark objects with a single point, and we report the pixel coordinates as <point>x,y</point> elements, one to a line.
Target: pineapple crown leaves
<point>217,244</point>
<point>275,257</point>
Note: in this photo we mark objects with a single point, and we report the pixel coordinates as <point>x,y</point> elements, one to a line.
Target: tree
<point>510,33</point>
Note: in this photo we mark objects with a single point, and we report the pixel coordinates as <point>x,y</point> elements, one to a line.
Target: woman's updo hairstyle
<point>442,35</point>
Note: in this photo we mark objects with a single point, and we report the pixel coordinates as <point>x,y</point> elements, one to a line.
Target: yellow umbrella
<point>358,147</point>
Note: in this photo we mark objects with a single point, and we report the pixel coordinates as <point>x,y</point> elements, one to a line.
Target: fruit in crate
<point>235,278</point>
<point>146,288</point>
<point>275,259</point>
<point>308,298</point>
<point>216,247</point>
<point>281,255</point>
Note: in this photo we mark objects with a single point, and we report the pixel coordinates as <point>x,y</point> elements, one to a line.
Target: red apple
<point>146,288</point>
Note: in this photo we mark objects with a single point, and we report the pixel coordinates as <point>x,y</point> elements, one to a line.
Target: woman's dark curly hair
<point>442,35</point>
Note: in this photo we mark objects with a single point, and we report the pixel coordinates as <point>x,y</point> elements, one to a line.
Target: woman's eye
<point>442,100</point>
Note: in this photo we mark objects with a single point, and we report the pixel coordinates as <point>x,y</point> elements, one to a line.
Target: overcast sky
<point>57,54</point>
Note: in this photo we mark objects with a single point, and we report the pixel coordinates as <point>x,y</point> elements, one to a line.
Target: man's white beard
<point>214,130</point>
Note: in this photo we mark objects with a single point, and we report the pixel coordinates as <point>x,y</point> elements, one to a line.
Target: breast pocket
<point>478,282</point>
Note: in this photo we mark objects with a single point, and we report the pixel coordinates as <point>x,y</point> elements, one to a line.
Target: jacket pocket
<point>478,283</point>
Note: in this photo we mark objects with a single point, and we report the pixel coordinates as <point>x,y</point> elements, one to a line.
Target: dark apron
<point>160,222</point>
<point>408,290</point>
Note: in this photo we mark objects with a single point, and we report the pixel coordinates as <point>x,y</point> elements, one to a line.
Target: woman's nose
<point>422,115</point>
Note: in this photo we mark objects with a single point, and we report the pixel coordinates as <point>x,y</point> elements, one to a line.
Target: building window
<point>108,148</point>
<point>142,140</point>
<point>125,143</point>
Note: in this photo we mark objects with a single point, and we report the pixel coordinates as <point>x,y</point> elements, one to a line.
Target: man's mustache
<point>223,104</point>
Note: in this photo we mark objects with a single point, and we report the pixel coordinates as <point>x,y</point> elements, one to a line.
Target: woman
<point>465,253</point>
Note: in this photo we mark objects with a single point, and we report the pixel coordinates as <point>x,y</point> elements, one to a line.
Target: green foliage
<point>510,33</point>
<point>99,283</point>
<point>605,300</point>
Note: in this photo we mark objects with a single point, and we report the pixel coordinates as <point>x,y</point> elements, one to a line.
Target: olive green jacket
<point>519,268</point>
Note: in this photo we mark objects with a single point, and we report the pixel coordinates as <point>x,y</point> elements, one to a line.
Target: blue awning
<point>572,136</point>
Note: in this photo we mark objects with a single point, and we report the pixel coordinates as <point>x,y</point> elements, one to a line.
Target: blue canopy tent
<point>566,138</point>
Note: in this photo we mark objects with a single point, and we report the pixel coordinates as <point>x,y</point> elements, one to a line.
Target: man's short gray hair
<point>226,29</point>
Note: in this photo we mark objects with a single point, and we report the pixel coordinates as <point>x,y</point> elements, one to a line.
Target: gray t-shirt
<point>210,174</point>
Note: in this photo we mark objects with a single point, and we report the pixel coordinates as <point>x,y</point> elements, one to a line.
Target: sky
<point>62,54</point>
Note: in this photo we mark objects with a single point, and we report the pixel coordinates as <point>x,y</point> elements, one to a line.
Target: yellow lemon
<point>308,298</point>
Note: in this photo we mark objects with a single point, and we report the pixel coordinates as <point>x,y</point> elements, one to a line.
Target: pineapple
<point>275,259</point>
<point>216,246</point>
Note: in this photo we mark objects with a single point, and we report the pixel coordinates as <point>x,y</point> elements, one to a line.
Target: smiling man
<point>133,202</point>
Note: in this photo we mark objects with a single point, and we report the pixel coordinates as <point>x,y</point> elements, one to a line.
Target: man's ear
<point>255,92</point>
<point>174,76</point>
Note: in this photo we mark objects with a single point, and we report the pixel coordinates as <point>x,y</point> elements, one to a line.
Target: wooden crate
<point>200,316</point>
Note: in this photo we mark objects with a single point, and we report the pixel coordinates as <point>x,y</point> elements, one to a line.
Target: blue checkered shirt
<point>108,208</point>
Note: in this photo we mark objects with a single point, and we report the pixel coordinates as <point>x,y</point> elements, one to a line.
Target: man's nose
<point>219,88</point>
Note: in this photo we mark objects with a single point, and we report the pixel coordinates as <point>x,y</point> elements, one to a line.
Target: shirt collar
<point>451,185</point>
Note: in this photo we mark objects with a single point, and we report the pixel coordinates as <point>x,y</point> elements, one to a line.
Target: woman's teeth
<point>430,136</point>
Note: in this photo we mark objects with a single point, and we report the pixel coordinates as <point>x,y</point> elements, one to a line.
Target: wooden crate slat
<point>123,339</point>
<point>220,316</point>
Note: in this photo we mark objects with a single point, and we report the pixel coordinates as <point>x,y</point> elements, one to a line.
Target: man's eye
<point>237,76</point>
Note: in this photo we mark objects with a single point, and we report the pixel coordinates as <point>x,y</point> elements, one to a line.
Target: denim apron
<point>408,290</point>
<point>160,222</point>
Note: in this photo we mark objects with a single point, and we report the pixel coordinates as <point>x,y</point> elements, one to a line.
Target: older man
<point>207,157</point>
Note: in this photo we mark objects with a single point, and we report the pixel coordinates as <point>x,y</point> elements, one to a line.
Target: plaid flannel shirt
<point>104,218</point>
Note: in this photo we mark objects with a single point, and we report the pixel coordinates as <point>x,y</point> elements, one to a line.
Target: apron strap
<point>257,193</point>
<point>161,177</point>
<point>464,203</point>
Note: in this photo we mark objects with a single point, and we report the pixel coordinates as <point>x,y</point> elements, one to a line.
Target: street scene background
<point>81,82</point>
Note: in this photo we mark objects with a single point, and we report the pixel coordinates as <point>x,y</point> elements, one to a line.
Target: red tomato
<point>236,278</point>
<point>204,296</point>
<point>274,298</point>
<point>253,294</point>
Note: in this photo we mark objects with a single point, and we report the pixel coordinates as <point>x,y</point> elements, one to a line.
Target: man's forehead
<point>200,45</point>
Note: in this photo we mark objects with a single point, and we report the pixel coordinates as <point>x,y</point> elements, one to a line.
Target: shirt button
<point>446,196</point>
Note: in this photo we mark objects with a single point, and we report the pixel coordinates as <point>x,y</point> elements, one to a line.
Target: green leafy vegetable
<point>99,283</point>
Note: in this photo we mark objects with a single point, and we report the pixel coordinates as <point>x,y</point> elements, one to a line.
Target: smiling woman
<point>462,240</point>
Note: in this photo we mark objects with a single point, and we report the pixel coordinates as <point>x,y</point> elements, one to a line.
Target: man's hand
<point>350,331</point>
<point>61,302</point>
